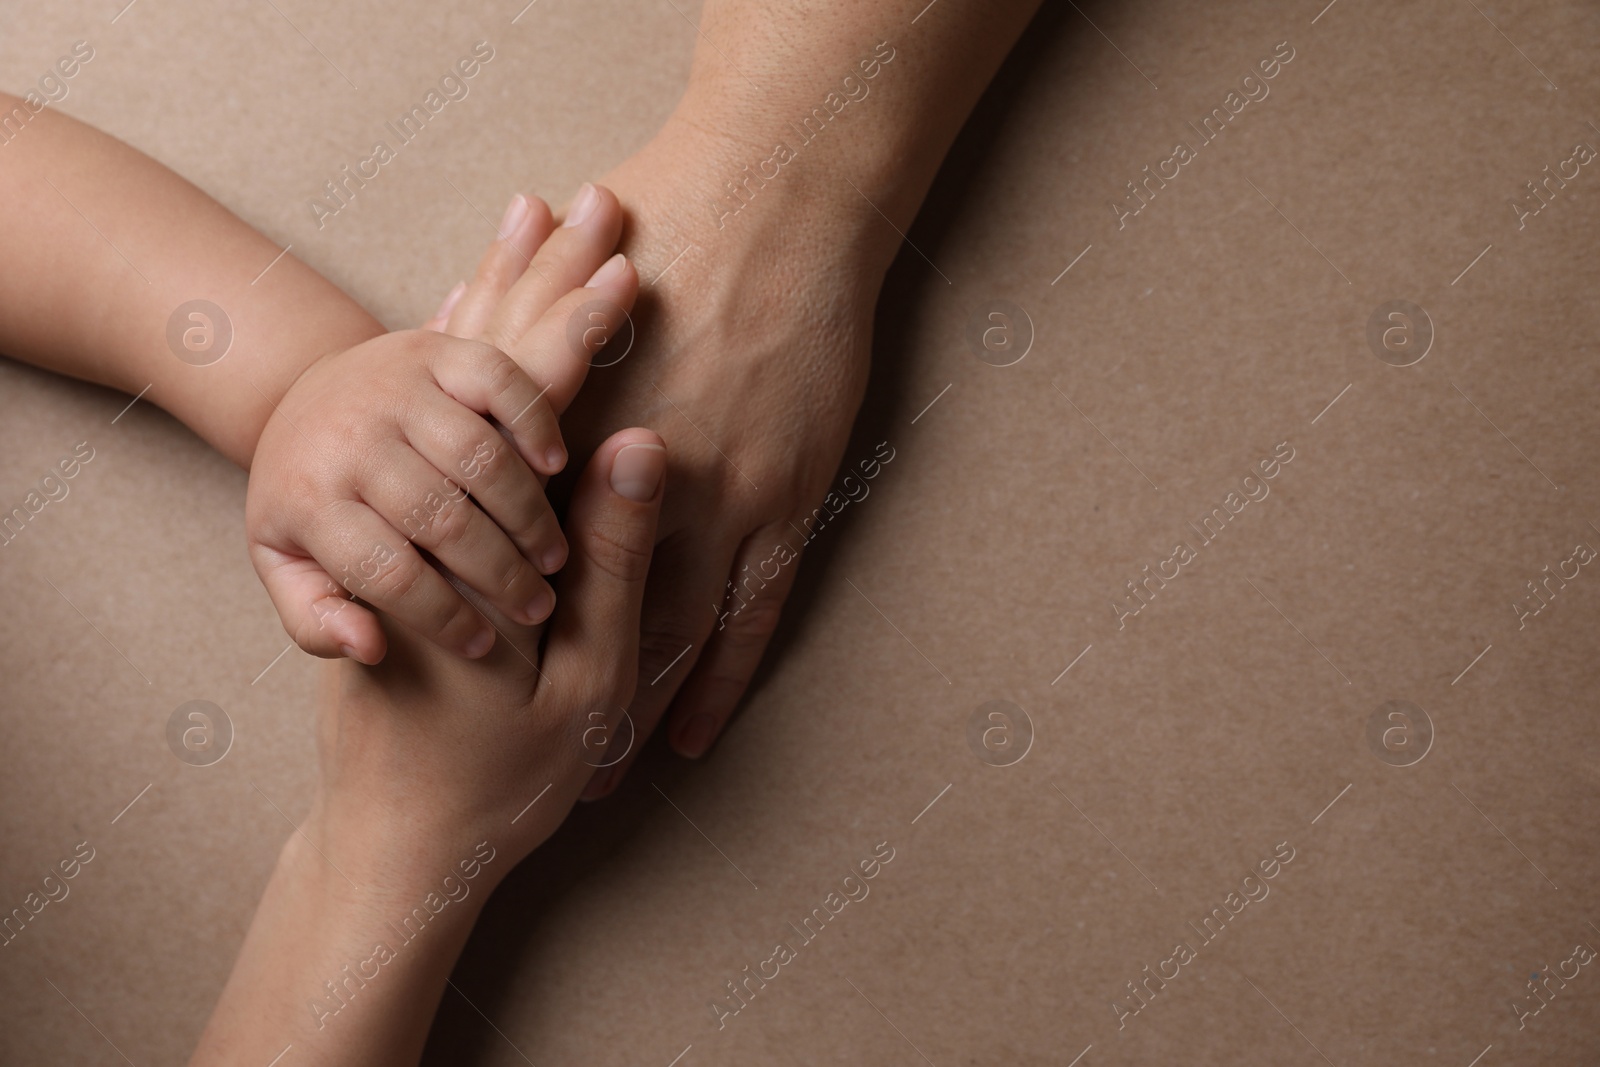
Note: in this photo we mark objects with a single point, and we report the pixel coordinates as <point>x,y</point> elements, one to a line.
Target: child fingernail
<point>636,472</point>
<point>540,606</point>
<point>553,558</point>
<point>348,653</point>
<point>516,211</point>
<point>583,206</point>
<point>480,644</point>
<point>555,458</point>
<point>609,272</point>
<point>696,735</point>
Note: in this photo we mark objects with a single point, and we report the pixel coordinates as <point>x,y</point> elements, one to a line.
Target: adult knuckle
<point>661,646</point>
<point>620,549</point>
<point>755,625</point>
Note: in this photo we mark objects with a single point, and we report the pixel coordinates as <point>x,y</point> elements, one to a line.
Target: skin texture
<point>369,458</point>
<point>92,201</point>
<point>754,346</point>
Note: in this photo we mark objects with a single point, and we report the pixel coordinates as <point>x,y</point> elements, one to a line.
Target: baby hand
<point>383,450</point>
<point>387,448</point>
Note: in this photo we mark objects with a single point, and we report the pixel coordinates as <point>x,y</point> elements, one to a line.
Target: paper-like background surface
<point>1176,752</point>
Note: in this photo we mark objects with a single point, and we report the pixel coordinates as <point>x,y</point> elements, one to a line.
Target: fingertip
<point>479,644</point>
<point>692,737</point>
<point>638,466</point>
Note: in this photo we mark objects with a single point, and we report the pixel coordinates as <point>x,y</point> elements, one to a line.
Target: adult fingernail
<point>516,212</point>
<point>540,607</point>
<point>609,272</point>
<point>696,735</point>
<point>583,205</point>
<point>450,301</point>
<point>636,472</point>
<point>480,644</point>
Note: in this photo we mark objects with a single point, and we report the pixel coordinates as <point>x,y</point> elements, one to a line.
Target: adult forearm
<point>105,245</point>
<point>833,104</point>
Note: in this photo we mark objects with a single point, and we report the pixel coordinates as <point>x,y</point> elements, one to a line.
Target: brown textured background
<point>1175,753</point>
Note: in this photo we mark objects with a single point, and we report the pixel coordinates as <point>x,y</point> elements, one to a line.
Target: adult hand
<point>751,359</point>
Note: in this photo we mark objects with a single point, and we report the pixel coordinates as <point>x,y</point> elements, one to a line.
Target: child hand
<point>385,448</point>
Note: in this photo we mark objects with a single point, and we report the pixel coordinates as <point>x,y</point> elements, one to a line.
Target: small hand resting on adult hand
<point>384,451</point>
<point>438,774</point>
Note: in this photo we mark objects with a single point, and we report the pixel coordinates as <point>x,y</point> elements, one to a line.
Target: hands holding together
<point>397,510</point>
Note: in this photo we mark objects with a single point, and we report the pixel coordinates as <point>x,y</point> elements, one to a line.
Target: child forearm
<point>105,247</point>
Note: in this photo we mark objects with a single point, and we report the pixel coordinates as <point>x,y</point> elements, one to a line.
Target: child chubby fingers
<point>589,327</point>
<point>365,556</point>
<point>523,229</point>
<point>434,512</point>
<point>469,456</point>
<point>570,255</point>
<point>484,379</point>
